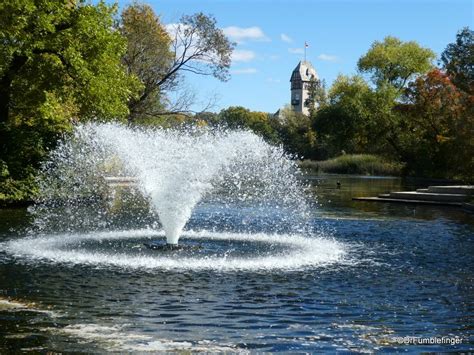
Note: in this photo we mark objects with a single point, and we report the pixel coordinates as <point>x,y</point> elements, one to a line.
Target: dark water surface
<point>408,272</point>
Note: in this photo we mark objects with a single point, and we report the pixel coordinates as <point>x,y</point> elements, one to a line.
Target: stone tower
<point>300,79</point>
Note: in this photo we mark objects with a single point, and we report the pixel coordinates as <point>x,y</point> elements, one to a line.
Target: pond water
<point>381,272</point>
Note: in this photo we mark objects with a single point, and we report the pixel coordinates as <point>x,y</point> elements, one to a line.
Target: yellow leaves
<point>442,139</point>
<point>201,123</point>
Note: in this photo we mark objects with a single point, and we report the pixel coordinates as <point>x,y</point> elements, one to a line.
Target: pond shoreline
<point>13,204</point>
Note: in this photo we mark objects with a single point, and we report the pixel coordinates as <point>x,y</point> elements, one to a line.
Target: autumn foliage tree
<point>438,125</point>
<point>148,56</point>
<point>412,112</point>
<point>439,128</point>
<point>160,56</point>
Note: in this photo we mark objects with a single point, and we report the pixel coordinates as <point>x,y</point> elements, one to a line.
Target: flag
<point>306,45</point>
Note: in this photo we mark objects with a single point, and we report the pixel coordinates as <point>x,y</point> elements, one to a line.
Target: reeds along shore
<point>363,164</point>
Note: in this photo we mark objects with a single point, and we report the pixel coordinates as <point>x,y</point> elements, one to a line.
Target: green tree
<point>395,62</point>
<point>59,63</point>
<point>296,133</point>
<point>342,125</point>
<point>392,64</point>
<point>316,95</point>
<point>237,117</point>
<point>458,60</point>
<point>361,118</point>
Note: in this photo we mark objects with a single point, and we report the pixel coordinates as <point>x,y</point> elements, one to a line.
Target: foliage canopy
<point>159,55</point>
<point>458,60</point>
<point>60,62</point>
<point>395,62</point>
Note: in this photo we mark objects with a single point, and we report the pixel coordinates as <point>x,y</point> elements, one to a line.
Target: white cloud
<point>242,55</point>
<point>174,28</point>
<point>273,80</point>
<point>240,34</point>
<point>244,71</point>
<point>296,50</point>
<point>328,57</point>
<point>286,38</point>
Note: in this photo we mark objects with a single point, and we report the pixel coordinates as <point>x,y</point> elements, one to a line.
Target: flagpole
<point>305,51</point>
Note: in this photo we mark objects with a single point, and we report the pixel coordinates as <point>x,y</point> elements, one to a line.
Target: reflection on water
<point>337,202</point>
<point>410,274</point>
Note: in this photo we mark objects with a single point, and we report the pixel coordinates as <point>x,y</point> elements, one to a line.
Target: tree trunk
<point>5,86</point>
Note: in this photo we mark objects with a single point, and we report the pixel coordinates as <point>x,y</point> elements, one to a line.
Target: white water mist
<point>174,170</point>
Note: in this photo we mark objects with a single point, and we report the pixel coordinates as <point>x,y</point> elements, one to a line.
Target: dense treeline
<point>409,110</point>
<point>399,107</point>
<point>63,62</point>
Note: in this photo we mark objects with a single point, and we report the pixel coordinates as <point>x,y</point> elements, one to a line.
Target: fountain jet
<point>173,169</point>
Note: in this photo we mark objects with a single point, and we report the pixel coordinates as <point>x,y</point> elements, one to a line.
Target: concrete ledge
<point>120,181</point>
<point>429,196</point>
<point>460,189</point>
<point>456,196</point>
<point>468,207</point>
<point>417,202</point>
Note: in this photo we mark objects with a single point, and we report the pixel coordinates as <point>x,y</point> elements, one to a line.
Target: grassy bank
<point>361,164</point>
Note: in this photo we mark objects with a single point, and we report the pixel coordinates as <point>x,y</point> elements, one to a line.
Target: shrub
<point>362,164</point>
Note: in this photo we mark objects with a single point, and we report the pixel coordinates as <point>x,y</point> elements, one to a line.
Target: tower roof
<point>304,71</point>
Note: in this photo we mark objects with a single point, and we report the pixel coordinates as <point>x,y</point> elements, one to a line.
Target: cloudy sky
<point>270,36</point>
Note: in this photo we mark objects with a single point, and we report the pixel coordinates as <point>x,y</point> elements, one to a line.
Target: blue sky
<point>271,35</point>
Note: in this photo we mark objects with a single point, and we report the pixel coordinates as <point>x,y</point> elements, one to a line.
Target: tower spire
<point>300,84</point>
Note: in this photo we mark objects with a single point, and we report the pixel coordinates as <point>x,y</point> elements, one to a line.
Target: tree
<point>148,57</point>
<point>458,60</point>
<point>316,95</point>
<point>159,58</point>
<point>342,125</point>
<point>200,47</point>
<point>59,63</point>
<point>237,117</point>
<point>438,128</point>
<point>296,133</point>
<point>392,64</point>
<point>210,118</point>
<point>361,118</point>
<point>395,62</point>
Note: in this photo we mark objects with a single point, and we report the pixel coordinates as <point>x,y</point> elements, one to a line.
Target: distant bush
<point>362,164</point>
